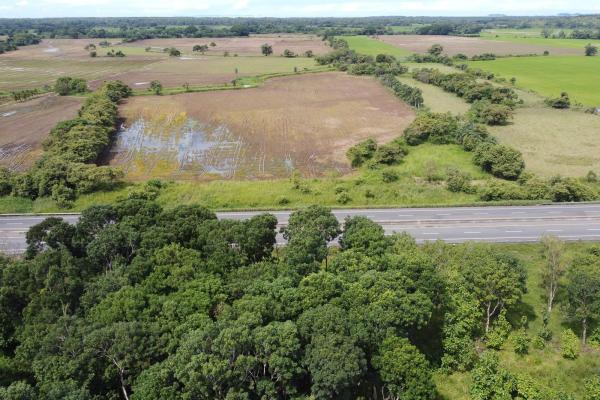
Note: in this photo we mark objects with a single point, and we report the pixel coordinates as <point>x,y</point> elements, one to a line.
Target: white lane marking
<point>554,230</point>
<point>14,223</point>
<point>513,231</point>
<point>430,233</point>
<point>471,233</point>
<point>593,229</point>
<point>518,212</point>
<point>404,215</point>
<point>441,215</point>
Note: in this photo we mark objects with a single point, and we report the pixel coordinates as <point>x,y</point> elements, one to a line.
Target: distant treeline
<point>154,27</point>
<point>15,40</point>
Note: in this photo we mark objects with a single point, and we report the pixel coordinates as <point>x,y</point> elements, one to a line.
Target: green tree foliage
<point>561,102</point>
<point>200,48</point>
<point>491,381</point>
<point>66,85</point>
<point>266,49</point>
<point>434,127</point>
<point>491,114</point>
<point>583,292</point>
<point>435,50</point>
<point>361,152</point>
<point>590,50</point>
<point>156,87</point>
<point>407,93</point>
<point>501,161</point>
<point>569,344</point>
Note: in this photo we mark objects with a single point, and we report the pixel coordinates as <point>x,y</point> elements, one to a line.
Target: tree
<point>200,48</point>
<point>554,267</point>
<point>156,87</point>
<point>435,50</point>
<point>501,161</point>
<point>404,371</point>
<point>266,49</point>
<point>583,294</point>
<point>173,52</point>
<point>490,380</point>
<point>591,50</point>
<point>495,279</point>
<point>288,53</point>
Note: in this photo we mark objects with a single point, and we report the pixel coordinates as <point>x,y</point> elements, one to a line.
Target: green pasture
<point>372,47</point>
<point>533,36</point>
<point>549,76</point>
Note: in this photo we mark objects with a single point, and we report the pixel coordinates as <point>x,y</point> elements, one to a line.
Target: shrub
<point>66,85</point>
<point>591,177</point>
<point>362,152</point>
<point>501,161</point>
<point>569,344</point>
<point>499,190</point>
<point>592,388</point>
<point>569,190</point>
<point>491,114</point>
<point>288,53</point>
<point>458,181</point>
<point>496,337</point>
<point>590,50</point>
<point>434,127</point>
<point>385,58</point>
<point>521,342</point>
<point>561,102</point>
<point>389,175</point>
<point>343,198</point>
<point>173,52</point>
<point>538,343</point>
<point>6,181</point>
<point>391,153</point>
<point>471,134</point>
<point>156,87</point>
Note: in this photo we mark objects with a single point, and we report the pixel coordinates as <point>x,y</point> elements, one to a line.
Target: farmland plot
<point>300,124</point>
<point>24,126</point>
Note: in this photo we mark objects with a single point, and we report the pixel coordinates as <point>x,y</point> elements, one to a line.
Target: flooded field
<point>300,124</point>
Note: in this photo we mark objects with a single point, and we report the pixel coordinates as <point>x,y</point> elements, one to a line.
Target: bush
<point>6,181</point>
<point>389,175</point>
<point>491,114</point>
<point>521,342</point>
<point>361,153</point>
<point>496,337</point>
<point>499,190</point>
<point>561,102</point>
<point>569,344</point>
<point>570,190</point>
<point>471,134</point>
<point>66,85</point>
<point>343,198</point>
<point>433,127</point>
<point>501,161</point>
<point>458,181</point>
<point>538,343</point>
<point>591,177</point>
<point>391,153</point>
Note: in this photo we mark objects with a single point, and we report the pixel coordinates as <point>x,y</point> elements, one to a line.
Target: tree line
<point>68,167</point>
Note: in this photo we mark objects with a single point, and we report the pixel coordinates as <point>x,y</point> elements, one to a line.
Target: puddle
<point>8,114</point>
<point>183,147</point>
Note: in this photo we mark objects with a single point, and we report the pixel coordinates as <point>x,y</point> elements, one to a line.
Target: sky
<point>290,8</point>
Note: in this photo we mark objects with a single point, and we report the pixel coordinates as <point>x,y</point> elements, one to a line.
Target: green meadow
<point>372,47</point>
<point>534,36</point>
<point>549,76</point>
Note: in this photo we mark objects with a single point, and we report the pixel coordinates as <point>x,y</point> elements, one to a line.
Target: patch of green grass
<point>550,76</point>
<point>436,99</point>
<point>533,36</point>
<point>373,47</point>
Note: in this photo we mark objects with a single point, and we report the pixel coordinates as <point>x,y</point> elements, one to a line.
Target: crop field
<point>471,46</point>
<point>370,46</point>
<point>206,70</point>
<point>299,124</point>
<point>242,46</point>
<point>549,76</point>
<point>24,126</point>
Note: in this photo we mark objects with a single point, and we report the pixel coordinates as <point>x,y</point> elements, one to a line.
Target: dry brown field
<point>470,46</point>
<point>243,46</point>
<point>300,124</point>
<point>24,126</point>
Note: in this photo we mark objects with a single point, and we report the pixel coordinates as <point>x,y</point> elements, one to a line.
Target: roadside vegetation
<point>136,300</point>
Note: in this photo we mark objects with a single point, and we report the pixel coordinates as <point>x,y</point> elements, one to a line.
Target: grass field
<point>533,36</point>
<point>546,367</point>
<point>550,76</point>
<point>436,99</point>
<point>373,47</point>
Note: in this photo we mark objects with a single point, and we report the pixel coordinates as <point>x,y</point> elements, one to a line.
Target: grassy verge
<point>545,366</point>
<point>419,183</point>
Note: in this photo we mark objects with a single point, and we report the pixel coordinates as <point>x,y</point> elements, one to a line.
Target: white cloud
<point>241,4</point>
<point>22,3</point>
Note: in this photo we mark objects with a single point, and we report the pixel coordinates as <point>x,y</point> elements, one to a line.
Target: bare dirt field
<point>243,46</point>
<point>24,126</point>
<point>298,123</point>
<point>471,46</point>
<point>207,70</point>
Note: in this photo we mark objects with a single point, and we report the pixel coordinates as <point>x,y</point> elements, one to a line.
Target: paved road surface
<point>454,225</point>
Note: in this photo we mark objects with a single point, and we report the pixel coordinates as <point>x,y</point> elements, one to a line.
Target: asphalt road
<point>570,222</point>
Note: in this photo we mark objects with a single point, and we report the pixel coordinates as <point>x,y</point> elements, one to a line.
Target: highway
<point>569,222</point>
